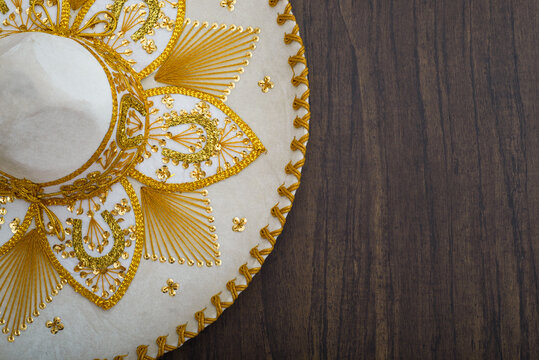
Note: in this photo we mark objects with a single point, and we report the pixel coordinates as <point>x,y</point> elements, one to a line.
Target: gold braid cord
<point>278,212</point>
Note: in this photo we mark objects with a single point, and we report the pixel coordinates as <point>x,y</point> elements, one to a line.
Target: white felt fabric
<point>55,103</point>
<point>145,312</point>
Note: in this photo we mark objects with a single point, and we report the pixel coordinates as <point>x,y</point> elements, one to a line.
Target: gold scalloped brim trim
<point>278,212</point>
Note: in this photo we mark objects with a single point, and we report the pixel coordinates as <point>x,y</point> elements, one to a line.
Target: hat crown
<point>54,116</point>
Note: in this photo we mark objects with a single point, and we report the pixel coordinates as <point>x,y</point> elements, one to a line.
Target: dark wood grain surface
<point>415,234</point>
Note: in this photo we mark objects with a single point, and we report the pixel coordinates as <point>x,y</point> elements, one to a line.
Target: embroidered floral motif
<point>170,288</point>
<point>93,218</point>
<point>55,325</point>
<point>266,84</point>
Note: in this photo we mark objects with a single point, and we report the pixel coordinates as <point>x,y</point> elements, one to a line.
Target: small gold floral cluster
<point>4,200</point>
<point>170,288</point>
<point>266,84</point>
<point>55,325</point>
<point>228,4</point>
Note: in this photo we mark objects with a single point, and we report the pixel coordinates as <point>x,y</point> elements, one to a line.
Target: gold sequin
<point>228,4</point>
<point>99,263</point>
<point>170,288</point>
<point>55,325</point>
<point>199,117</point>
<point>239,224</point>
<point>163,173</point>
<point>14,225</point>
<point>148,45</point>
<point>168,101</point>
<point>266,84</point>
<point>151,20</point>
<point>4,9</point>
<point>128,102</point>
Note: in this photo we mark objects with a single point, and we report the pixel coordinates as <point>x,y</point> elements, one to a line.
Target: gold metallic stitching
<point>32,282</point>
<point>209,57</point>
<point>151,20</point>
<point>212,137</point>
<point>21,231</point>
<point>154,65</point>
<point>4,9</point>
<point>271,236</point>
<point>103,262</point>
<point>258,148</point>
<point>128,102</point>
<point>113,300</point>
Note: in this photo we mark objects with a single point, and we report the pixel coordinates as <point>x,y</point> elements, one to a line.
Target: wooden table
<point>415,234</point>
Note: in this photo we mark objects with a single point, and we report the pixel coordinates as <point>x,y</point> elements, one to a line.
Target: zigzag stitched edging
<point>278,212</point>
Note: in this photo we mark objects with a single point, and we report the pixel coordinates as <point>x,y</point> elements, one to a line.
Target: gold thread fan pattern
<point>209,58</point>
<point>205,63</point>
<point>179,227</point>
<point>28,281</point>
<point>236,286</point>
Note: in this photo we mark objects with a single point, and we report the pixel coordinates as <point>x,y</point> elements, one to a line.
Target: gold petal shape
<point>235,146</point>
<point>209,58</point>
<point>103,245</point>
<point>146,31</point>
<point>179,227</point>
<point>28,281</point>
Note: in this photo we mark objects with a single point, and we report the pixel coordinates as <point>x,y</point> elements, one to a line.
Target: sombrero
<point>150,152</point>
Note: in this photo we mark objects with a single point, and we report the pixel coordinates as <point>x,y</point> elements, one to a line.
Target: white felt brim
<point>145,313</point>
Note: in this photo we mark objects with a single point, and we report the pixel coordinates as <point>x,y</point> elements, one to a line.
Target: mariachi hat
<point>150,152</point>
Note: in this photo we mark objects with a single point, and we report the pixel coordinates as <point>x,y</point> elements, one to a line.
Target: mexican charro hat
<point>150,152</point>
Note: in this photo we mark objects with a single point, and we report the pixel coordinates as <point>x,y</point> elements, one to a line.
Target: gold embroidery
<point>202,119</point>
<point>151,20</point>
<point>255,145</point>
<point>21,230</point>
<point>55,325</point>
<point>163,174</point>
<point>148,45</point>
<point>99,263</point>
<point>3,211</point>
<point>14,225</point>
<point>170,288</point>
<point>239,224</point>
<point>127,276</point>
<point>228,4</point>
<point>124,142</point>
<point>17,21</point>
<point>60,26</point>
<point>4,9</point>
<point>94,181</point>
<point>105,278</point>
<point>179,228</point>
<point>168,101</point>
<point>133,15</point>
<point>77,4</point>
<point>233,147</point>
<point>154,65</point>
<point>28,281</point>
<point>209,58</point>
<point>286,192</point>
<point>26,190</point>
<point>266,84</point>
